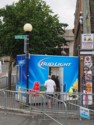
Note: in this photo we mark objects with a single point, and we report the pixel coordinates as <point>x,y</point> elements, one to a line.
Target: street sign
<point>84,113</point>
<point>21,37</point>
<point>87,41</point>
<point>86,52</point>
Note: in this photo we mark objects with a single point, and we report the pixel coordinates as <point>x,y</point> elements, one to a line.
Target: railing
<point>16,101</point>
<point>80,115</point>
<point>65,109</point>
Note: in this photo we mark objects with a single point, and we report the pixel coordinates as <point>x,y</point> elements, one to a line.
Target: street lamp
<point>27,28</point>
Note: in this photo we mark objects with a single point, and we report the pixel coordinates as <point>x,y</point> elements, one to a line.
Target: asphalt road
<point>7,118</point>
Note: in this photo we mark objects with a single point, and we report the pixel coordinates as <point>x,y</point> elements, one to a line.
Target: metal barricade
<point>37,104</point>
<point>79,116</point>
<point>65,109</point>
<point>80,108</point>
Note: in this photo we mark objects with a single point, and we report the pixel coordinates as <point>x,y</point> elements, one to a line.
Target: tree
<point>45,37</point>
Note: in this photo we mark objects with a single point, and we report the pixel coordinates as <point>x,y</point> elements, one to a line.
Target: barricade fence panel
<point>36,103</point>
<point>61,108</point>
<point>80,116</point>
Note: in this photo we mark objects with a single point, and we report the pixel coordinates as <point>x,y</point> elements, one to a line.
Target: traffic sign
<point>21,37</point>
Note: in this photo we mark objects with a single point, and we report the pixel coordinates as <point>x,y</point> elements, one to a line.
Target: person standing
<point>71,91</point>
<point>50,89</point>
<point>57,84</point>
<point>56,80</point>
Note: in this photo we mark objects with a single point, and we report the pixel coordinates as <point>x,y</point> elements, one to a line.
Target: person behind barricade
<point>74,92</point>
<point>71,91</point>
<point>57,84</point>
<point>56,80</point>
<point>50,89</point>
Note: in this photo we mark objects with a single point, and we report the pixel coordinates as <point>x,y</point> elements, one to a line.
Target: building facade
<point>69,37</point>
<point>83,29</point>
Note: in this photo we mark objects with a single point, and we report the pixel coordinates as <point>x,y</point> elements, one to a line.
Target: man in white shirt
<point>50,89</point>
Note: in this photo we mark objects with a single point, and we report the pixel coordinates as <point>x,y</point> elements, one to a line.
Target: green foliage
<point>45,36</point>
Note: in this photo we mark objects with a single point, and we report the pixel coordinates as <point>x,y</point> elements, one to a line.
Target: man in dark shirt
<point>55,78</point>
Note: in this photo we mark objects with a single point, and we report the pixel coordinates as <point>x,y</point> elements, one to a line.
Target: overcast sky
<point>64,8</point>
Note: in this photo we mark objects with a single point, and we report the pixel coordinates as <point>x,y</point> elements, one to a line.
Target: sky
<point>65,9</point>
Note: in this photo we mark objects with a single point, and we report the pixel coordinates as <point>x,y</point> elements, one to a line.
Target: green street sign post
<point>21,37</point>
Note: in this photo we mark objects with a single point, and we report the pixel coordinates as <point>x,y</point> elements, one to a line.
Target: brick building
<point>92,15</point>
<point>83,24</point>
